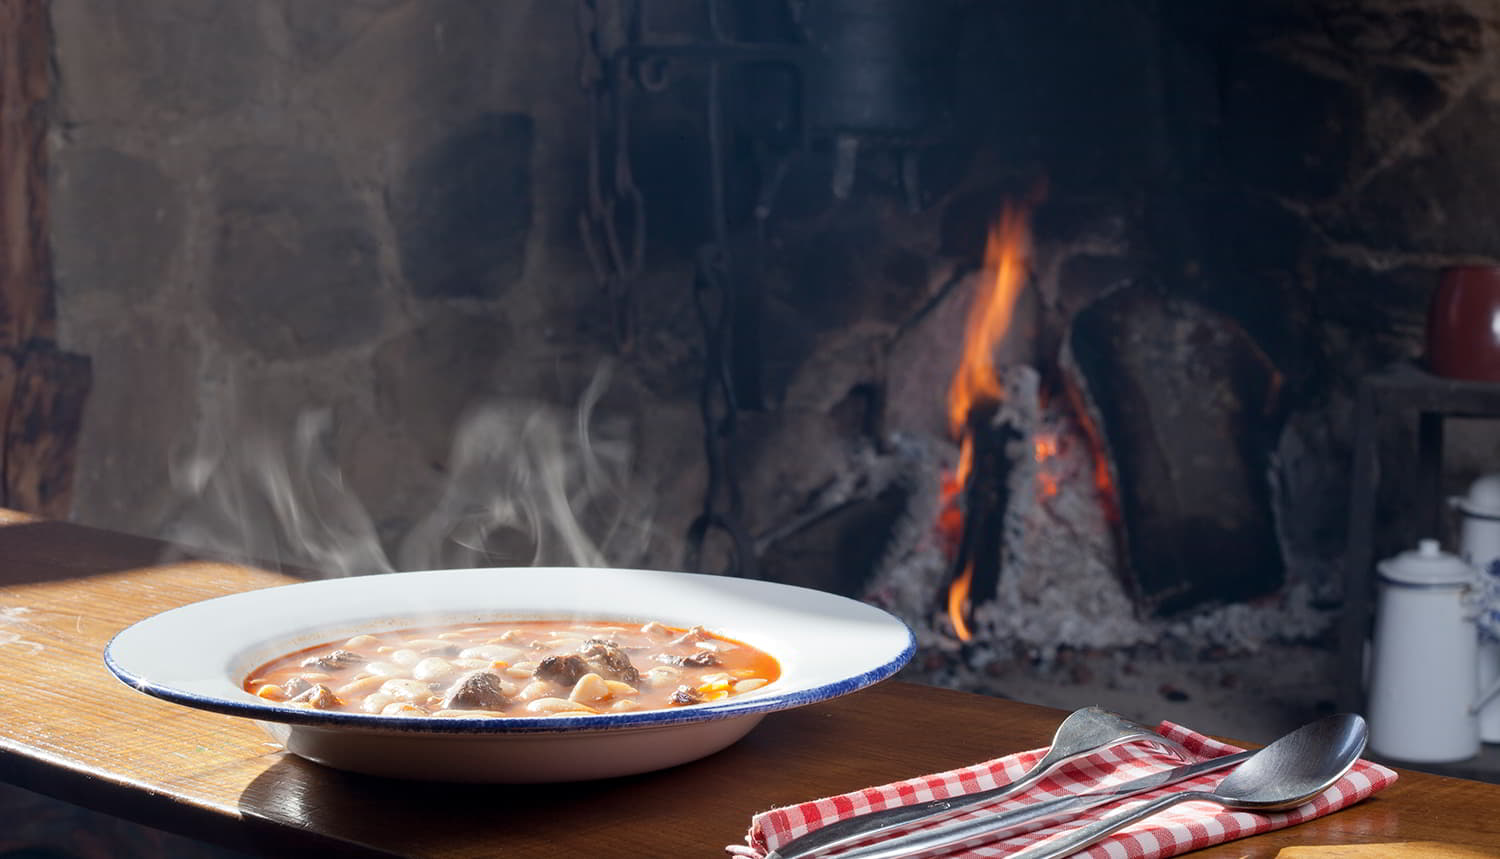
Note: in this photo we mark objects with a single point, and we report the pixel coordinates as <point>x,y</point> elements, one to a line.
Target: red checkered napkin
<point>1181,828</point>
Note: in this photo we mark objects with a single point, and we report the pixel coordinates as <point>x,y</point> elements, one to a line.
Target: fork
<point>1084,732</point>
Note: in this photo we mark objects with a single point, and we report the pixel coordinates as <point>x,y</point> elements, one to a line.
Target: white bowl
<point>199,655</point>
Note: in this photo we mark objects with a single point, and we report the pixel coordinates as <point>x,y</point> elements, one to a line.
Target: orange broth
<point>516,668</point>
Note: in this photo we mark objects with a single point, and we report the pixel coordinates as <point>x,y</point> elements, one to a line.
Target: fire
<point>1044,449</point>
<point>989,318</point>
<point>976,384</point>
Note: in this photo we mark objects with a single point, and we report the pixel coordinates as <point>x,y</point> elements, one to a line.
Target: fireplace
<point>359,269</point>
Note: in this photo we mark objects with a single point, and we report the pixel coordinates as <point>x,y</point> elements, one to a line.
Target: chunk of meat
<point>476,690</point>
<point>334,661</point>
<point>692,636</point>
<point>319,697</point>
<point>564,670</point>
<point>295,686</point>
<point>701,659</point>
<point>686,695</point>
<point>609,660</point>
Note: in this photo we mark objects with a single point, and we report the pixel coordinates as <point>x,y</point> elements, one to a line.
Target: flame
<point>977,382</point>
<point>989,318</point>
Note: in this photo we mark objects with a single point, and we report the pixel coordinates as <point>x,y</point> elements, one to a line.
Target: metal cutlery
<point>1285,774</point>
<point>1084,732</point>
<point>1034,816</point>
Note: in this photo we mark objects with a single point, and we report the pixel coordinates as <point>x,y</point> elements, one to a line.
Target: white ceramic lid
<point>1483,498</point>
<point>1428,564</point>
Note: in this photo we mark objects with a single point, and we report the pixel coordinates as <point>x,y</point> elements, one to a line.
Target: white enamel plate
<point>199,655</point>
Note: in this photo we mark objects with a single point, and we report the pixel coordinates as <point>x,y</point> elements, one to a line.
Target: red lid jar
<point>1463,324</point>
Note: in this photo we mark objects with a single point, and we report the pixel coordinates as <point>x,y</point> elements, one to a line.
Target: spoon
<point>1082,733</point>
<point>1285,774</point>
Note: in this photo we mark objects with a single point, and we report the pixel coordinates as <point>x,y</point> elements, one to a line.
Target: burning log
<point>1182,402</point>
<point>976,400</point>
<point>981,507</point>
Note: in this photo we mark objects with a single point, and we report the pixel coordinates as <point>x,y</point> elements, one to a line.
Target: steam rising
<point>530,484</point>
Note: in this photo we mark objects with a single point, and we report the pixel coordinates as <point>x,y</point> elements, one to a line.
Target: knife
<point>955,833</point>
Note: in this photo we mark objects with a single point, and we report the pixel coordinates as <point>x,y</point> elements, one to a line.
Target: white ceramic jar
<point>1479,544</point>
<point>1424,666</point>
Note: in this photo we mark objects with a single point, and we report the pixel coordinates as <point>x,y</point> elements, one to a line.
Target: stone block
<point>404,75</point>
<point>319,31</point>
<point>1371,317</point>
<point>463,350</point>
<point>140,411</point>
<point>294,270</point>
<point>1287,129</point>
<point>1438,198</point>
<point>117,221</point>
<point>190,58</point>
<point>462,210</point>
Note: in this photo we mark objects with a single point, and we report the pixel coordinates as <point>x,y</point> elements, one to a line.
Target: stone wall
<point>368,208</point>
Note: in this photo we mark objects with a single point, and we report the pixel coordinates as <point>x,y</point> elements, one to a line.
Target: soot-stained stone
<point>1440,199</point>
<point>465,350</point>
<point>187,57</point>
<point>1444,35</point>
<point>1384,311</point>
<point>669,162</point>
<point>1064,83</point>
<point>142,398</point>
<point>319,31</point>
<point>294,261</point>
<point>1287,128</point>
<point>116,222</point>
<point>463,210</point>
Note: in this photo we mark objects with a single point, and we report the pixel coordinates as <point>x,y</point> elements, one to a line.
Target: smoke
<point>534,485</point>
<point>529,484</point>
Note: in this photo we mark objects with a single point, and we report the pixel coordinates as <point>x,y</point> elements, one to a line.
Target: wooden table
<point>70,730</point>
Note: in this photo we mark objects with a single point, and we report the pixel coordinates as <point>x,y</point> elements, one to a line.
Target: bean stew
<point>516,668</point>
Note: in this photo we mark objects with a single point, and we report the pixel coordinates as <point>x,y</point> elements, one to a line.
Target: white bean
<point>550,706</point>
<point>406,656</point>
<point>618,688</point>
<point>432,668</point>
<point>361,685</point>
<point>589,688</point>
<point>491,652</point>
<point>428,644</point>
<point>402,708</point>
<point>535,689</point>
<point>376,702</point>
<point>750,684</point>
<point>384,669</point>
<point>406,689</point>
<point>662,675</point>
